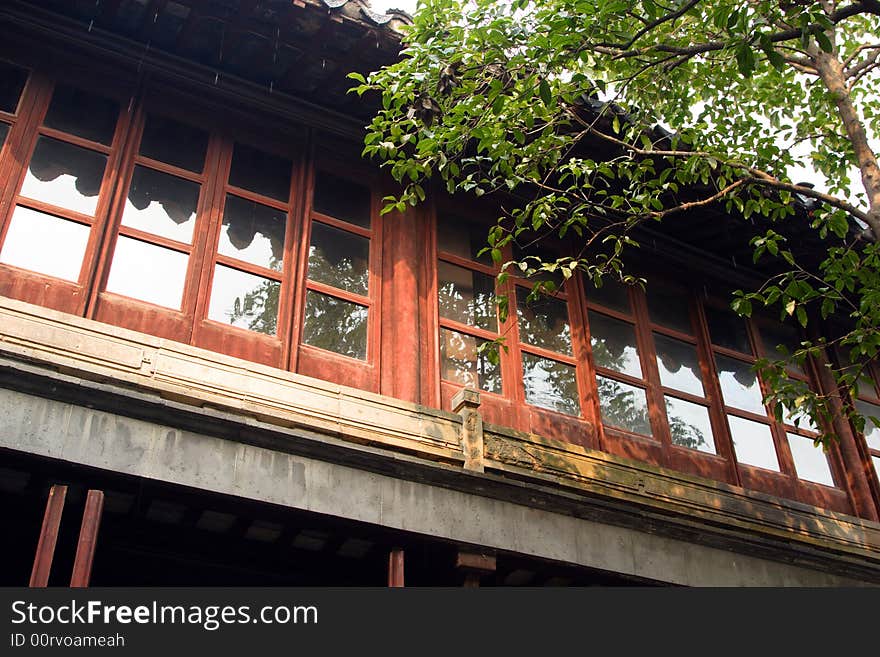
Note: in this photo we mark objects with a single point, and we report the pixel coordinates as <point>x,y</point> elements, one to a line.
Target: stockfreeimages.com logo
<point>209,617</point>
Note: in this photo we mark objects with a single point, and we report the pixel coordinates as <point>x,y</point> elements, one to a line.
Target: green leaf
<point>544,92</point>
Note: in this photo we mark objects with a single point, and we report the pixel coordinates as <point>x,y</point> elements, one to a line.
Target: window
<point>535,371</point>
<point>868,405</point>
<point>338,299</point>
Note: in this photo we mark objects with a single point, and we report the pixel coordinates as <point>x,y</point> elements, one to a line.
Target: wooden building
<point>205,319</point>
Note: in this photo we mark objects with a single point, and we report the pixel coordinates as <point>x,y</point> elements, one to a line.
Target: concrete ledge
<point>130,376</point>
<point>74,433</point>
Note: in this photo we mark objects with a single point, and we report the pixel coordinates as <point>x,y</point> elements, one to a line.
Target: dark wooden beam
<point>48,537</point>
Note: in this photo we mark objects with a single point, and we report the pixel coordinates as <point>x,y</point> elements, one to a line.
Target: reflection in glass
<point>463,238</point>
<point>753,443</point>
<point>739,385</point>
<point>64,175</point>
<point>689,425</point>
<point>613,294</point>
<point>614,344</point>
<point>339,258</point>
<point>772,336</point>
<point>260,172</point>
<point>678,364</point>
<point>550,384</point>
<point>623,406</point>
<point>876,461</point>
<point>82,113</point>
<point>161,204</point>
<point>335,325</point>
<point>340,198</point>
<point>244,300</point>
<point>173,142</point>
<point>466,296</point>
<point>544,322</point>
<point>45,244</point>
<point>460,362</point>
<point>799,418</point>
<point>147,272</point>
<point>253,232</point>
<point>810,462</point>
<point>12,81</point>
<point>669,307</point>
<point>872,431</point>
<point>727,330</point>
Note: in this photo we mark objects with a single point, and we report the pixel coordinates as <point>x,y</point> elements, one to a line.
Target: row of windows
<point>652,376</point>
<point>152,220</point>
<point>199,211</point>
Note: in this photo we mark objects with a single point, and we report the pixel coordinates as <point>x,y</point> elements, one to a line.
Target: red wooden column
<point>48,536</point>
<point>395,568</point>
<point>402,262</point>
<point>88,536</point>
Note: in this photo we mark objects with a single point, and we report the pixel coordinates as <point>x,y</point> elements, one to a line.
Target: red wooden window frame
<point>871,394</point>
<point>190,323</point>
<point>509,407</point>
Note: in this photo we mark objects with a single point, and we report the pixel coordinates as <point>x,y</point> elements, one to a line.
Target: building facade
<point>205,316</point>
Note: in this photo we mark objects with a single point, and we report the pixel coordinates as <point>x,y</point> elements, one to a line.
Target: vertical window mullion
<point>650,372</point>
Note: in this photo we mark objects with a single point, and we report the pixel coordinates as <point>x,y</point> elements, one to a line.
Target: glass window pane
<point>173,142</point>
<point>550,384</point>
<point>727,330</point>
<point>679,364</point>
<point>753,443</point>
<point>461,363</point>
<point>623,406</point>
<point>45,244</point>
<point>12,81</point>
<point>335,325</point>
<point>810,462</point>
<point>544,322</point>
<point>244,300</point>
<point>463,238</point>
<point>260,172</point>
<point>340,198</point>
<point>4,130</point>
<point>779,334</point>
<point>669,307</point>
<point>689,425</point>
<point>613,294</point>
<point>466,296</point>
<point>339,258</point>
<point>64,175</point>
<point>253,232</point>
<point>614,344</point>
<point>161,204</point>
<point>739,384</point>
<point>82,113</point>
<point>147,272</point>
<point>872,431</point>
<point>876,461</point>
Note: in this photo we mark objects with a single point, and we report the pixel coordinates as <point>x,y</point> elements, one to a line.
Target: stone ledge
<point>248,394</point>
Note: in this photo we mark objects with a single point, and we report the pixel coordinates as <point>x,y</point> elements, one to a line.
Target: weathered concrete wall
<point>111,441</point>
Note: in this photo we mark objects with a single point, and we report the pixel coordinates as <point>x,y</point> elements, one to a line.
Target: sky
<point>408,6</point>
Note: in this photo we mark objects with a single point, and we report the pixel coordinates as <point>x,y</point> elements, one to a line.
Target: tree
<point>594,117</point>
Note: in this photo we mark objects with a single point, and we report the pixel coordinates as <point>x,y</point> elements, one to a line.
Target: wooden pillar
<point>48,536</point>
<point>465,403</point>
<point>88,536</point>
<point>395,568</point>
<point>857,470</point>
<point>475,566</point>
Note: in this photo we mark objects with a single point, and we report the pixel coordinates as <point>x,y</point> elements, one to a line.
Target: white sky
<point>409,6</point>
